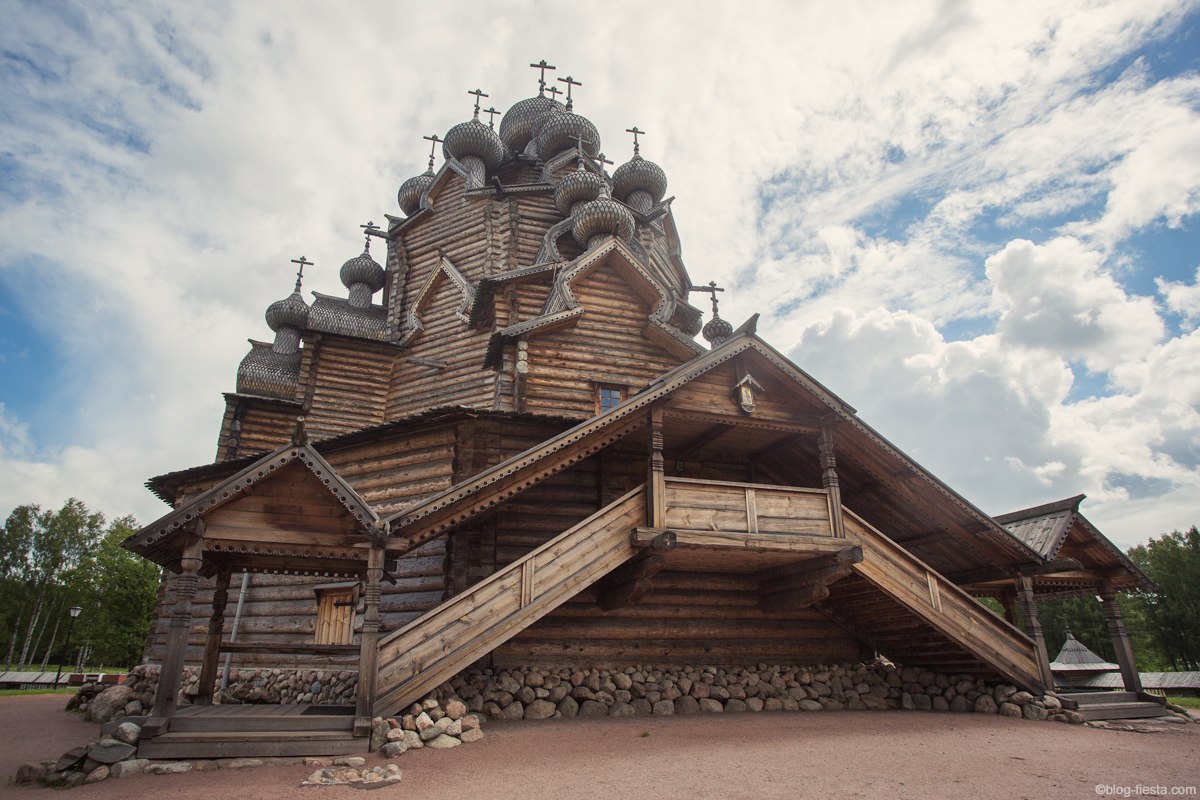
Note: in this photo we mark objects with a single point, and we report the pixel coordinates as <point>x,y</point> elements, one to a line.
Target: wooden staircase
<point>240,731</point>
<point>943,606</point>
<point>432,648</point>
<point>1115,705</point>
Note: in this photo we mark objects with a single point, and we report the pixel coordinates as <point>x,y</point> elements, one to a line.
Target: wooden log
<point>629,583</point>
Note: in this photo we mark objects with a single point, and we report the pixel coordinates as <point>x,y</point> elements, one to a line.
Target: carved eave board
<point>287,512</point>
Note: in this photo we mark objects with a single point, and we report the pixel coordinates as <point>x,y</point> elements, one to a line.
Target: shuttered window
<point>335,616</point>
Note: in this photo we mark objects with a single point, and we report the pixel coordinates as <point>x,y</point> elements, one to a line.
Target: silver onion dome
<point>639,183</point>
<point>411,191</point>
<point>601,217</point>
<point>473,138</point>
<point>290,312</point>
<point>519,124</point>
<point>716,330</point>
<point>576,187</point>
<point>561,131</point>
<point>362,269</point>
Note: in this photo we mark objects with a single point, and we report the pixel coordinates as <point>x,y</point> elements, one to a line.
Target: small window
<point>335,616</point>
<point>608,398</point>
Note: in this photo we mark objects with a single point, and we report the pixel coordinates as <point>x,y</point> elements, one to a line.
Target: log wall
<point>254,425</point>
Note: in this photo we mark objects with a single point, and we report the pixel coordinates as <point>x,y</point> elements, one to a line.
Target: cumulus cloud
<point>870,179</point>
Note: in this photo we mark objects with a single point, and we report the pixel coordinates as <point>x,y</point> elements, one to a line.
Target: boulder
<point>69,759</point>
<point>1020,698</point>
<point>168,767</point>
<point>540,709</point>
<point>412,740</point>
<point>686,705</point>
<point>443,742</point>
<point>591,708</point>
<point>134,766</point>
<point>663,708</point>
<point>109,702</point>
<point>568,707</point>
<point>110,751</point>
<point>960,704</point>
<point>623,710</point>
<point>984,704</point>
<point>33,772</point>
<point>1031,711</point>
<point>1009,710</point>
<point>98,774</point>
<point>379,732</point>
<point>810,705</point>
<point>710,706</point>
<point>456,709</point>
<point>394,749</point>
<point>733,704</point>
<point>472,735</point>
<point>128,732</point>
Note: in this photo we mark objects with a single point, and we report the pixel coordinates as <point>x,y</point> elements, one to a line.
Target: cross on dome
<point>570,82</point>
<point>303,262</point>
<point>369,230</point>
<point>491,112</point>
<point>479,95</point>
<point>434,141</point>
<point>711,289</point>
<point>636,133</point>
<point>541,67</point>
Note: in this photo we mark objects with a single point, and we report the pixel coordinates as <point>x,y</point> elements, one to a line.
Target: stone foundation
<point>542,693</point>
<point>283,686</point>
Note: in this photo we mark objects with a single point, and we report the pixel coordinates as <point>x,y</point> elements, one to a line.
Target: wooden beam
<point>813,569</point>
<point>829,478</point>
<point>630,582</point>
<point>368,660</point>
<point>171,675</point>
<point>656,483</point>
<point>1120,638</point>
<point>707,436</point>
<point>212,644</point>
<point>795,597</point>
<point>758,542</point>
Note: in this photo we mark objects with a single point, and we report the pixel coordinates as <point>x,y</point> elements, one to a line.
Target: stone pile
<point>111,756</point>
<point>543,693</point>
<point>430,723</point>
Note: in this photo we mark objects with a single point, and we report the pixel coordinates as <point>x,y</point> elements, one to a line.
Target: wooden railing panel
<point>752,508</point>
<point>431,649</point>
<point>942,604</point>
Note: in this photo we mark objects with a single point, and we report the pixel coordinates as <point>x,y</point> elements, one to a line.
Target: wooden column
<point>656,479</point>
<point>1033,627</point>
<point>212,645</point>
<point>829,479</point>
<point>368,654</point>
<point>171,675</point>
<point>1009,601</point>
<point>1120,638</point>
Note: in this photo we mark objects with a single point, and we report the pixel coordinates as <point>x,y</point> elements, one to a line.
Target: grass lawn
<point>59,690</point>
<point>1186,702</point>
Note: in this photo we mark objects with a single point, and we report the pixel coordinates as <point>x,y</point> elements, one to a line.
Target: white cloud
<point>789,132</point>
<point>1181,298</point>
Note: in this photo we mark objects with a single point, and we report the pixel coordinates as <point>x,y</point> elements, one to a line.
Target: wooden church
<point>506,444</point>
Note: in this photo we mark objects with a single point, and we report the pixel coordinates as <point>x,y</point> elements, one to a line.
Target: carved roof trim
<point>444,267</point>
<point>151,536</point>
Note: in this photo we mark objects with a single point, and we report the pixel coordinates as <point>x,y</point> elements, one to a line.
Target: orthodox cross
<point>541,67</point>
<point>479,95</point>
<point>569,81</point>
<point>634,130</point>
<point>554,92</point>
<point>712,289</point>
<point>491,112</point>
<point>303,262</point>
<point>601,160</point>
<point>434,142</point>
<point>579,147</point>
<point>370,230</point>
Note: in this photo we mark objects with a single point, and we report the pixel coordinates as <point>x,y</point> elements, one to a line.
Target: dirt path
<point>827,755</point>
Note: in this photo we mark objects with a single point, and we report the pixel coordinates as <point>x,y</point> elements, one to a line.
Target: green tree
<point>52,560</point>
<point>1173,613</point>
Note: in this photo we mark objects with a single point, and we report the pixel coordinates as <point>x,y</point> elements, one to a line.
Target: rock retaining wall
<point>541,693</point>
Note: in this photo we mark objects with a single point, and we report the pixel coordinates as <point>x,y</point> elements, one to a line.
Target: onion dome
<point>363,276</point>
<point>716,330</point>
<point>522,122</point>
<point>578,187</point>
<point>601,217</point>
<point>290,312</point>
<point>639,183</point>
<point>473,138</point>
<point>561,131</point>
<point>412,190</point>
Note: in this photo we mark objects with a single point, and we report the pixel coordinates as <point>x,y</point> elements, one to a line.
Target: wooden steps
<point>432,648</point>
<point>1116,705</point>
<point>236,731</point>
<point>940,604</point>
<point>242,744</point>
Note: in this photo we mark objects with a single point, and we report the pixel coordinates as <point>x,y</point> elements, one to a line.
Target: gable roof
<point>441,511</point>
<point>149,540</point>
<point>1075,657</point>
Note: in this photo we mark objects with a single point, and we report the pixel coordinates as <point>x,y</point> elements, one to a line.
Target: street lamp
<point>74,611</point>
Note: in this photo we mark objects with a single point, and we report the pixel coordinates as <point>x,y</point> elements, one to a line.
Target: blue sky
<point>976,221</point>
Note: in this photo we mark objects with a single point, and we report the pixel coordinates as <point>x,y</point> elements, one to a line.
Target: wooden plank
<point>725,540</point>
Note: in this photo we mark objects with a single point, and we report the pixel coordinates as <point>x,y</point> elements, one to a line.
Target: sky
<point>977,222</point>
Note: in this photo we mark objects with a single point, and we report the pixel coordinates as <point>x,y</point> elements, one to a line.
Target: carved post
<point>829,479</point>
<point>368,654</point>
<point>1029,618</point>
<point>656,480</point>
<point>1009,601</point>
<point>212,646</point>
<point>171,675</point>
<point>1120,638</point>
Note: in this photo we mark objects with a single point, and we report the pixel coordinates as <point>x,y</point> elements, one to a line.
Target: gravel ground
<point>850,754</point>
